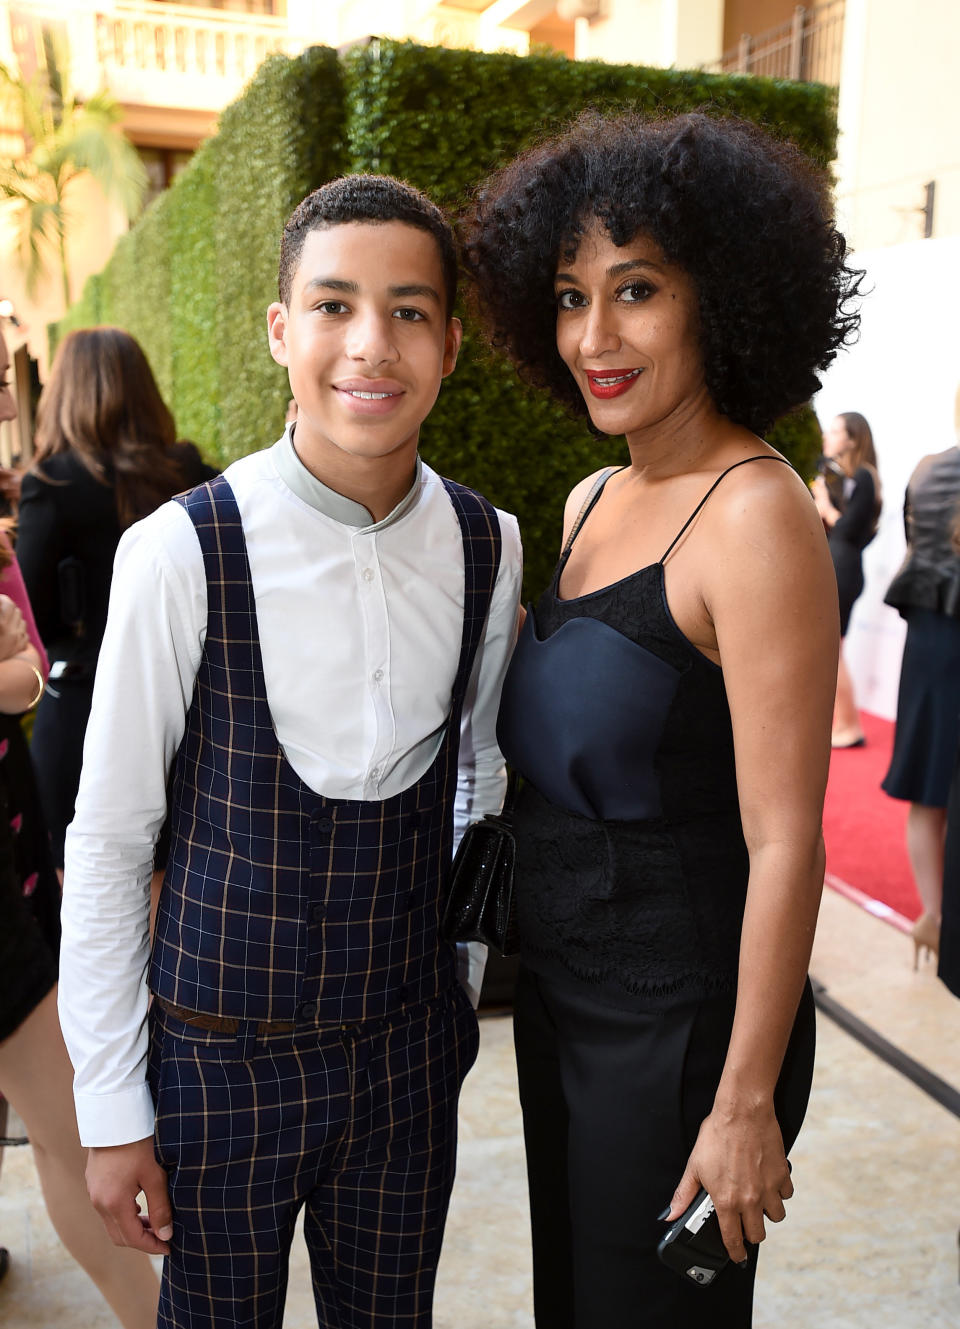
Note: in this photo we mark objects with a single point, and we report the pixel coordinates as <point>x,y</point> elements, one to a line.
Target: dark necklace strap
<point>761,456</point>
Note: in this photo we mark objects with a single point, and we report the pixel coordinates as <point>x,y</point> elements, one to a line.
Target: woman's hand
<point>10,481</point>
<point>739,1159</point>
<point>824,504</point>
<point>14,637</point>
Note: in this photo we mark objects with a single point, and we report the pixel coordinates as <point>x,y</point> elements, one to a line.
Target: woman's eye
<point>635,291</point>
<point>409,315</point>
<point>570,300</point>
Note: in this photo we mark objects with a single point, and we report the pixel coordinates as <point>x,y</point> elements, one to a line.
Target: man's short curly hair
<point>746,216</point>
<point>366,198</point>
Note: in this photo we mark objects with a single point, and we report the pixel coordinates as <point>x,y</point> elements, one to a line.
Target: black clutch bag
<point>480,904</point>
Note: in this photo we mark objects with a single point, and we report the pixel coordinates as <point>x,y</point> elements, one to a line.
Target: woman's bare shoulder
<point>765,503</point>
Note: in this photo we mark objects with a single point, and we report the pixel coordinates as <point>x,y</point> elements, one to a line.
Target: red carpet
<point>865,830</point>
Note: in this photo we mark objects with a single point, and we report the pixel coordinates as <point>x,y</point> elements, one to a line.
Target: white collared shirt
<point>360,626</point>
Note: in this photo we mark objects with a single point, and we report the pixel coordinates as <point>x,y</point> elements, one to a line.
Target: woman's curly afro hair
<point>746,216</point>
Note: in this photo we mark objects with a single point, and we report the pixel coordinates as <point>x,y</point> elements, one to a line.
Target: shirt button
<point>367,574</point>
<point>377,676</point>
<point>307,1010</point>
<point>325,824</point>
<point>375,773</point>
<point>317,913</point>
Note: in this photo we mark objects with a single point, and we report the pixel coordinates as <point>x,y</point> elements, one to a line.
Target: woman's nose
<point>598,332</point>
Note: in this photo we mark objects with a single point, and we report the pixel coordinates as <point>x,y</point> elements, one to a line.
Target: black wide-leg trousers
<point>612,1104</point>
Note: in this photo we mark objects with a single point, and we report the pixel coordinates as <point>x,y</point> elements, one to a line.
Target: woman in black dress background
<point>926,591</point>
<point>670,698</point>
<point>849,502</point>
<point>35,1071</point>
<point>106,455</point>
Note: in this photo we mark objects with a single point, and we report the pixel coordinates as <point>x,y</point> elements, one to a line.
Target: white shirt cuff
<point>107,1119</point>
<point>471,962</point>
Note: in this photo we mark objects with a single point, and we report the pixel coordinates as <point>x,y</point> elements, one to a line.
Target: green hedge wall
<point>194,277</point>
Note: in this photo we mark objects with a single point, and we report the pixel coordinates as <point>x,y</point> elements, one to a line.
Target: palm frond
<point>97,147</point>
<point>63,140</point>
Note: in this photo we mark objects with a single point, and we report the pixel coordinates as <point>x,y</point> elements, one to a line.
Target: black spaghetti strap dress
<point>631,877</point>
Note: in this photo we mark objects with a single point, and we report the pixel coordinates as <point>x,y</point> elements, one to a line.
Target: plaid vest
<point>278,903</point>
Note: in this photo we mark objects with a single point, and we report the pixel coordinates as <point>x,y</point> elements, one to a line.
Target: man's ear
<point>277,331</point>
<point>452,340</point>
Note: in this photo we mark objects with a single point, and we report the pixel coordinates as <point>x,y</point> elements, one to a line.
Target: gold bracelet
<point>39,677</point>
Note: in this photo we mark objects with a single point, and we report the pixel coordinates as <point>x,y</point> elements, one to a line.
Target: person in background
<point>35,1071</point>
<point>679,281</point>
<point>850,509</point>
<point>926,591</point>
<point>106,455</point>
<point>948,966</point>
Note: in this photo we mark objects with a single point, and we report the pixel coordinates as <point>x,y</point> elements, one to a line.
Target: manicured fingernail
<point>165,1233</point>
<point>662,1218</point>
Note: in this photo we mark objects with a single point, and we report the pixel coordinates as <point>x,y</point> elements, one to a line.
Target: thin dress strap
<point>596,489</point>
<point>761,456</point>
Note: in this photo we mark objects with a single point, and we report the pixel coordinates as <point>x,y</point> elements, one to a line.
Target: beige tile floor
<point>871,1237</point>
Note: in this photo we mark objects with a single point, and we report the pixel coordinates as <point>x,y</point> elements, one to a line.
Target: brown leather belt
<point>222,1024</point>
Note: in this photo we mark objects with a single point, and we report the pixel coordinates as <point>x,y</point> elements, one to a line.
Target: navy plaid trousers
<point>358,1126</point>
<point>322,915</point>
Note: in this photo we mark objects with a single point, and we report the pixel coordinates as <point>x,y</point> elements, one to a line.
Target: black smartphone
<point>692,1245</point>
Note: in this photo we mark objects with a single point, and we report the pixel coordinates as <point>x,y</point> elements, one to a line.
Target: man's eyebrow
<point>412,289</point>
<point>408,290</point>
<point>618,269</point>
<point>332,284</point>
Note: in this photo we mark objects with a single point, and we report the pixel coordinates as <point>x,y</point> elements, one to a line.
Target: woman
<point>850,511</point>
<point>106,455</point>
<point>669,701</point>
<point>35,1072</point>
<point>926,591</point>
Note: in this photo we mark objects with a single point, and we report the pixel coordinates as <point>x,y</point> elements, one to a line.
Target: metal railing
<point>808,47</point>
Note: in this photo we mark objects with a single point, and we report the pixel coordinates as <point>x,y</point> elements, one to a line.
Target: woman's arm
<point>21,682</point>
<point>768,585</point>
<point>11,584</point>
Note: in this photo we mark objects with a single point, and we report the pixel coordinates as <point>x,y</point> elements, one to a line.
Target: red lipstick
<point>606,383</point>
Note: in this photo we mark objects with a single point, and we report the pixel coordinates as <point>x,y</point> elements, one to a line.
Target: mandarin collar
<point>323,499</point>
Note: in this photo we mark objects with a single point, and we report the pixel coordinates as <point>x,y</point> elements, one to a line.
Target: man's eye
<point>332,307</point>
<point>409,315</point>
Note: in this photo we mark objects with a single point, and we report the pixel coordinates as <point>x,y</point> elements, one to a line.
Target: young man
<point>300,646</point>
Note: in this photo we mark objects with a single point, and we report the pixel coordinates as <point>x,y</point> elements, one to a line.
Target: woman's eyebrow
<point>618,269</point>
<point>630,264</point>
